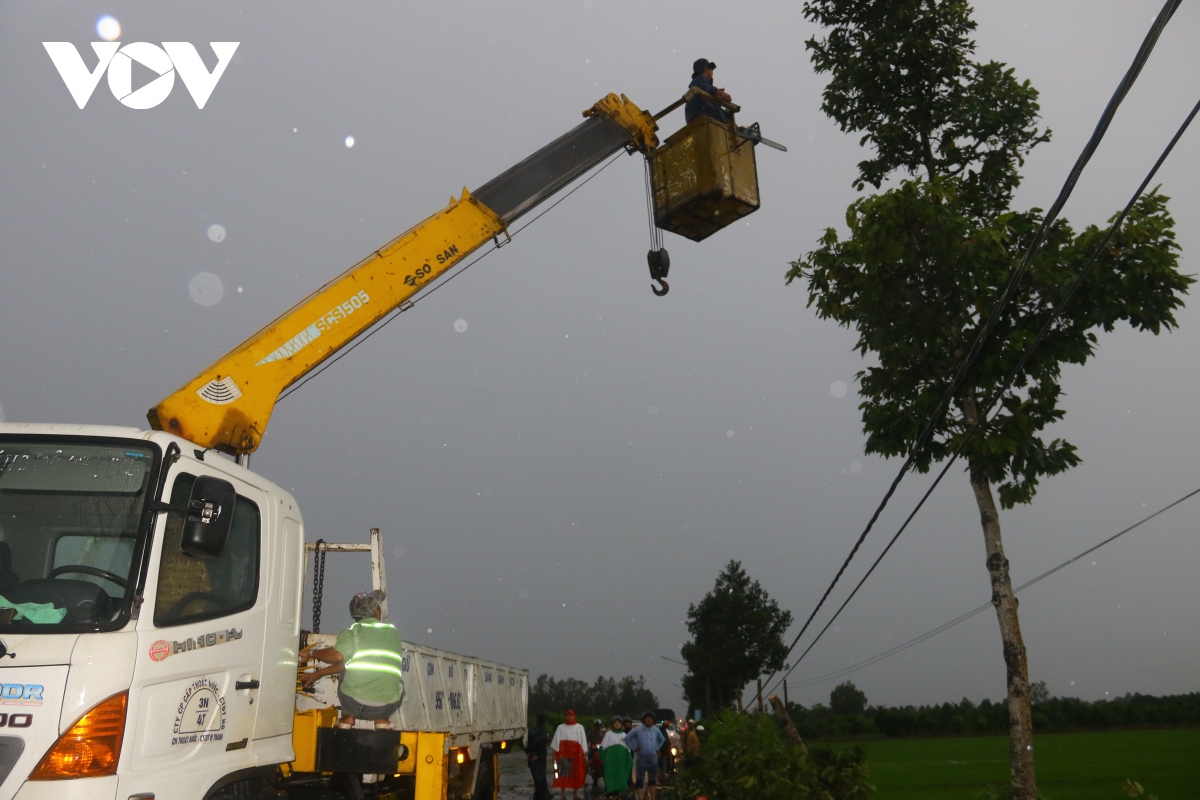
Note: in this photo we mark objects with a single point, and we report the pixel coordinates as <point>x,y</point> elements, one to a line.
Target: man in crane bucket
<point>368,656</point>
<point>702,79</point>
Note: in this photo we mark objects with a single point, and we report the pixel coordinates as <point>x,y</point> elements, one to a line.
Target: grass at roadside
<point>1070,766</point>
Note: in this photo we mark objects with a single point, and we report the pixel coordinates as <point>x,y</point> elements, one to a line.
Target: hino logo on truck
<point>172,57</point>
<point>161,649</point>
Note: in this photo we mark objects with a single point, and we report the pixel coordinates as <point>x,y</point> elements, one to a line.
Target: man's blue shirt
<point>645,742</point>
<point>702,106</point>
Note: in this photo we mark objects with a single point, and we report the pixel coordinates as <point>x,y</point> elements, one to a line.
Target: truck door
<point>200,638</point>
<point>276,702</point>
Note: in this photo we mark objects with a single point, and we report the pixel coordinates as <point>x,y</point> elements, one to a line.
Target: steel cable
<point>973,612</point>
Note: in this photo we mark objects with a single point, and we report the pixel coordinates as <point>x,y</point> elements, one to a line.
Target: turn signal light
<point>504,745</point>
<point>89,748</point>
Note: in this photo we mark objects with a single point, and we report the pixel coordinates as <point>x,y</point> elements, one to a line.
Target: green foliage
<point>747,756</point>
<point>926,261</point>
<point>917,278</point>
<point>737,634</point>
<point>847,700</point>
<point>627,696</point>
<point>966,718</point>
<point>901,74</point>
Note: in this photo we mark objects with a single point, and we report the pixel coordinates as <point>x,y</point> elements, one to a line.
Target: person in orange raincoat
<point>569,746</point>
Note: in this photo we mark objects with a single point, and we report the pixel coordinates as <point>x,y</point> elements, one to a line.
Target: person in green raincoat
<point>616,758</point>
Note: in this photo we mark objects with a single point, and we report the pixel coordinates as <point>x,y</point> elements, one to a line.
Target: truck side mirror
<point>209,517</point>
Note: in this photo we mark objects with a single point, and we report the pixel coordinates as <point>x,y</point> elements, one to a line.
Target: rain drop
<point>216,233</point>
<point>460,325</point>
<point>523,594</point>
<point>398,550</point>
<point>108,29</point>
<point>856,467</point>
<point>652,410</point>
<point>429,630</point>
<point>349,141</point>
<point>239,290</point>
<point>729,433</point>
<point>838,389</point>
<point>205,289</point>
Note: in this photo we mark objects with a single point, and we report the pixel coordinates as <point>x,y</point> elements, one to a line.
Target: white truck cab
<point>150,596</point>
<point>133,662</point>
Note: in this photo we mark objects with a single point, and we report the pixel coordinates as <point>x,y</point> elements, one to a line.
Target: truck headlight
<point>90,748</point>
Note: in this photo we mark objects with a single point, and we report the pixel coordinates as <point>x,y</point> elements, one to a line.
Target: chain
<point>318,584</point>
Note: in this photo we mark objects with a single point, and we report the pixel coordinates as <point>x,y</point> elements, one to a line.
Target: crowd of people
<point>619,755</point>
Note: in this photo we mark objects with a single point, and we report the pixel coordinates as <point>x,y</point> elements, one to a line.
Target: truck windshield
<point>70,514</point>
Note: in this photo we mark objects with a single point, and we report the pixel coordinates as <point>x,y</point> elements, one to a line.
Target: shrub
<point>748,756</point>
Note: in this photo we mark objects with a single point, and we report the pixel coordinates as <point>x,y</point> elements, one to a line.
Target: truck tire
<point>486,776</point>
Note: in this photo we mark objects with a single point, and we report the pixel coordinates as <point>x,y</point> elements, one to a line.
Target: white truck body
<point>210,680</point>
<point>474,702</point>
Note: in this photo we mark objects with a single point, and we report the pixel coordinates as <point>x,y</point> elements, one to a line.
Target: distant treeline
<point>1050,715</point>
<point>607,696</point>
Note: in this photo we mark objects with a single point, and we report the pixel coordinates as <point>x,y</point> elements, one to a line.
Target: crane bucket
<point>703,178</point>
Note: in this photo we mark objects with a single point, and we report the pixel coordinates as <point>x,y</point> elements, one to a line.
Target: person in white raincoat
<point>570,748</point>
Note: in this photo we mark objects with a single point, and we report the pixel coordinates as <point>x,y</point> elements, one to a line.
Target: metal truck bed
<point>471,700</point>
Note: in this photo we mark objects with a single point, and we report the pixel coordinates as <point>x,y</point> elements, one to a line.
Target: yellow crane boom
<point>228,405</point>
<point>703,178</point>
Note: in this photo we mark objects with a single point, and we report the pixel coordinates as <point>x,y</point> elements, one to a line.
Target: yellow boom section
<point>227,406</point>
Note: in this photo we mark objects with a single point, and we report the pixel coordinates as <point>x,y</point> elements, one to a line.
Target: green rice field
<point>1070,766</point>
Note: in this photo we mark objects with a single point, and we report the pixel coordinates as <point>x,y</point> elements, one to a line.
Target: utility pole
<point>759,696</point>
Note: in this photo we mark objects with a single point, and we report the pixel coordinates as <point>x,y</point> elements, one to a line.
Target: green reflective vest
<point>371,651</point>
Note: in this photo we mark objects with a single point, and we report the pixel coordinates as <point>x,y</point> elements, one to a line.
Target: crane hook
<point>660,264</point>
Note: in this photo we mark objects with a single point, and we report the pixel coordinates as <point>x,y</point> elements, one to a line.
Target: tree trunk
<point>788,727</point>
<point>1020,716</point>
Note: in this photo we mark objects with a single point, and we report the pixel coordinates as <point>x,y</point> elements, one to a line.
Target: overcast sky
<point>559,460</point>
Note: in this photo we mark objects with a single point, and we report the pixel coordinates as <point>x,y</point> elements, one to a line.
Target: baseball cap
<point>363,604</point>
<point>701,64</point>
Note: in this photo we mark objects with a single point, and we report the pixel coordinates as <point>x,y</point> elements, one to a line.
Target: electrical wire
<point>991,404</point>
<point>435,286</point>
<point>973,612</point>
<point>985,331</point>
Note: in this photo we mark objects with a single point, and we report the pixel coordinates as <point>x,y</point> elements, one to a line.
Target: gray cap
<point>364,604</point>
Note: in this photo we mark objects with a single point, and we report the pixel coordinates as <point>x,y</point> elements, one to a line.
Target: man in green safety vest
<point>368,656</point>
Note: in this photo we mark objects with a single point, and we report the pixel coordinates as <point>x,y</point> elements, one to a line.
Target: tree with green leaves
<point>737,635</point>
<point>925,262</point>
<point>847,700</point>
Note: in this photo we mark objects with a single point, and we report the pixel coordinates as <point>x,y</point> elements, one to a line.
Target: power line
<point>438,285</point>
<point>1106,118</point>
<point>973,612</point>
<point>990,405</point>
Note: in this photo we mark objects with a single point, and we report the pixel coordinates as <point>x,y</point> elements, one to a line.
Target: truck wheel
<point>486,779</point>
